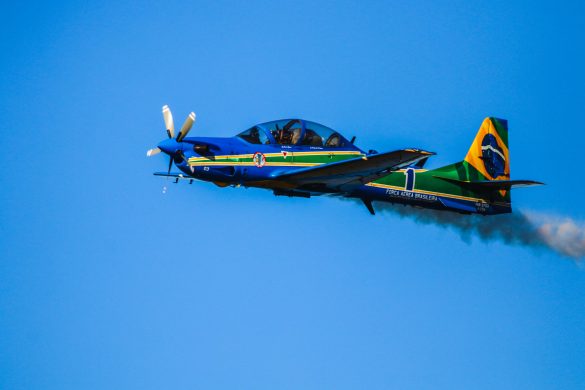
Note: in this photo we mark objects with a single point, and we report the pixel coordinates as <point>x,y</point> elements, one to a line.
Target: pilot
<point>312,138</point>
<point>296,134</point>
<point>333,141</point>
<point>283,137</point>
<point>254,136</point>
<point>277,134</point>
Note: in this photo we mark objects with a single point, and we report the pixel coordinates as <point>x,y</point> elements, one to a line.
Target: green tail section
<point>480,183</point>
<point>486,167</point>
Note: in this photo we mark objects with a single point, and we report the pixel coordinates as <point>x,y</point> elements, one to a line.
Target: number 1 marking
<point>410,176</point>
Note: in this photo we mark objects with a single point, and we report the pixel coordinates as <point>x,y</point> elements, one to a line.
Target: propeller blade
<point>186,127</point>
<point>170,165</point>
<point>168,117</point>
<point>152,152</point>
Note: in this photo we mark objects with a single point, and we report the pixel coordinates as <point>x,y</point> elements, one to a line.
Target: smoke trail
<point>560,234</point>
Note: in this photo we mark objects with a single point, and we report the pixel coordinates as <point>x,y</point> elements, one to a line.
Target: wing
<point>341,176</point>
<point>173,175</point>
<point>176,176</point>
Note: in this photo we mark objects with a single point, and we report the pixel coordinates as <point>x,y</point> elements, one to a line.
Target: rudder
<point>489,153</point>
<point>485,171</point>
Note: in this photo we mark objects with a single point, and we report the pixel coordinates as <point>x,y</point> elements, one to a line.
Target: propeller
<point>186,127</point>
<point>168,117</point>
<point>152,152</point>
<point>172,148</point>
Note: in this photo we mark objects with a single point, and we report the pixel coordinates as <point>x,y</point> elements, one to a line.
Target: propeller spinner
<point>172,145</point>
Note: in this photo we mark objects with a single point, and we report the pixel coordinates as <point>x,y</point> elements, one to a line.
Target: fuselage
<point>236,162</point>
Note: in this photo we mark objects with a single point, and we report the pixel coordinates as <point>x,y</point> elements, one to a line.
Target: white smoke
<point>563,235</point>
<point>559,234</point>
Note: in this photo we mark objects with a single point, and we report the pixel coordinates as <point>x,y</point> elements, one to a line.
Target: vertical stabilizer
<point>485,171</point>
<point>489,153</point>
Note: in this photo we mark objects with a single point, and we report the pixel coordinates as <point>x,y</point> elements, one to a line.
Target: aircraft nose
<point>169,146</point>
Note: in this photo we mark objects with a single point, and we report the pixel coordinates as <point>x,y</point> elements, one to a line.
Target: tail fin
<point>485,171</point>
<point>489,153</point>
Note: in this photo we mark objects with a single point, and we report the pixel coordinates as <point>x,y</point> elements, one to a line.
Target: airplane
<point>300,158</point>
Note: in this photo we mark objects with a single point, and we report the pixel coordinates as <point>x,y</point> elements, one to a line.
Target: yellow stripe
<point>326,153</point>
<point>279,154</point>
<point>224,157</point>
<point>205,160</point>
<point>416,170</point>
<point>250,163</point>
<point>506,204</point>
<point>426,192</point>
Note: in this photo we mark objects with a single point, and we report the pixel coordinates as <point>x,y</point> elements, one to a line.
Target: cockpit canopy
<point>294,132</point>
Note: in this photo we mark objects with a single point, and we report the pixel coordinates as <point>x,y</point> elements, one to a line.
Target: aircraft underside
<point>389,190</point>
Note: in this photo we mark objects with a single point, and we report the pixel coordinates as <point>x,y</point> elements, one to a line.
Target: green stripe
<point>321,158</point>
<point>425,181</point>
<point>501,129</point>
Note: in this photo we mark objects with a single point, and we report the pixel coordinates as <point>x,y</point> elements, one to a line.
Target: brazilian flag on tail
<point>488,157</point>
<point>486,167</point>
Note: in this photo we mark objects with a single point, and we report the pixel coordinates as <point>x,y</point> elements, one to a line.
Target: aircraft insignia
<point>259,159</point>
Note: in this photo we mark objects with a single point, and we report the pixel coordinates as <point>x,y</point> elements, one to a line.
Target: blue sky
<point>106,282</point>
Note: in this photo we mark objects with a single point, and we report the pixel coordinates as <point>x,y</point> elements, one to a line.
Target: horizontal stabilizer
<point>491,185</point>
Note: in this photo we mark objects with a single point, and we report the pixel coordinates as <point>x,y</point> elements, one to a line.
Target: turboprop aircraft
<point>296,157</point>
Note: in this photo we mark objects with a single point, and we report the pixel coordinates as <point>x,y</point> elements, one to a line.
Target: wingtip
<point>423,152</point>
